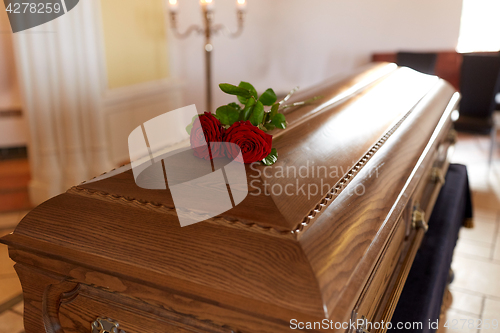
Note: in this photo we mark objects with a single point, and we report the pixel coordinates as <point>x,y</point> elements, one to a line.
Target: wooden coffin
<point>114,252</point>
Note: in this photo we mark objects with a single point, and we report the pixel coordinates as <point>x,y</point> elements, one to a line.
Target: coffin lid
<point>318,152</point>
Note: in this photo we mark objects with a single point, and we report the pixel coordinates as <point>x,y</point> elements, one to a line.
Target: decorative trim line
<point>114,197</point>
<point>125,168</point>
<point>158,207</point>
<point>348,176</point>
<point>69,296</point>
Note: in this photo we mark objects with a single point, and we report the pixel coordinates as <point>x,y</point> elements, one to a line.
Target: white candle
<point>173,5</point>
<point>208,4</point>
<point>242,4</point>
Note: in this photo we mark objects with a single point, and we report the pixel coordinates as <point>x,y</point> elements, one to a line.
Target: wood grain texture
<point>379,280</point>
<point>194,306</point>
<point>110,248</point>
<point>87,304</point>
<point>42,291</point>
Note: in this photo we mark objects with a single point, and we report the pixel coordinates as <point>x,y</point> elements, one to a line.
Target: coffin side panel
<point>150,247</point>
<point>91,289</point>
<point>348,237</point>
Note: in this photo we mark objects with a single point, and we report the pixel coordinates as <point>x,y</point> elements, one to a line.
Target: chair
<point>422,62</point>
<point>479,83</point>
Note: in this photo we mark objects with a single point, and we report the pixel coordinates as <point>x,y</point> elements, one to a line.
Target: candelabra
<point>208,29</point>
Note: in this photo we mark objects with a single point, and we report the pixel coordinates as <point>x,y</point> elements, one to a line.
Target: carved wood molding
<point>154,206</point>
<point>43,293</point>
<point>85,303</point>
<point>348,176</point>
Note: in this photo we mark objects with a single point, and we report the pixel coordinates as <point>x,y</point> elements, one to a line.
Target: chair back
<point>479,83</point>
<point>422,62</point>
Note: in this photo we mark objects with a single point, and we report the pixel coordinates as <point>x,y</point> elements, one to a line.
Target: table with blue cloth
<point>422,295</point>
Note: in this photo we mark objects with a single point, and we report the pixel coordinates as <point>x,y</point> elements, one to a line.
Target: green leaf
<point>247,111</point>
<point>257,114</point>
<point>271,158</point>
<point>190,126</point>
<point>274,111</point>
<point>279,121</point>
<point>268,97</point>
<point>227,114</point>
<point>234,90</point>
<point>236,106</point>
<point>249,87</point>
<point>269,127</point>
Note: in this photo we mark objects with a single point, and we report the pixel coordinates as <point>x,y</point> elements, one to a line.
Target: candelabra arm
<point>189,30</point>
<point>207,30</point>
<point>226,32</point>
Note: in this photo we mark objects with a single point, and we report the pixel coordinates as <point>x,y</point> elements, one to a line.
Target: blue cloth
<point>423,292</point>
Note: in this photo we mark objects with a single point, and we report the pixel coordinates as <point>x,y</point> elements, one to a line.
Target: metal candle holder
<point>208,30</point>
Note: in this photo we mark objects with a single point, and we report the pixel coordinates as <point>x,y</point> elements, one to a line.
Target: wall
<point>291,42</point>
<point>135,41</point>
<point>138,86</point>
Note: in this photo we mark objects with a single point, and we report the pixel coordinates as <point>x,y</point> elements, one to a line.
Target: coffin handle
<point>105,325</point>
<point>418,220</point>
<point>437,176</point>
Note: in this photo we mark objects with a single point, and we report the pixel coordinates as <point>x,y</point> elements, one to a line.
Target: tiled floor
<point>476,263</point>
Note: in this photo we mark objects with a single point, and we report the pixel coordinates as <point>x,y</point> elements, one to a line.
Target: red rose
<point>255,145</point>
<point>207,131</point>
